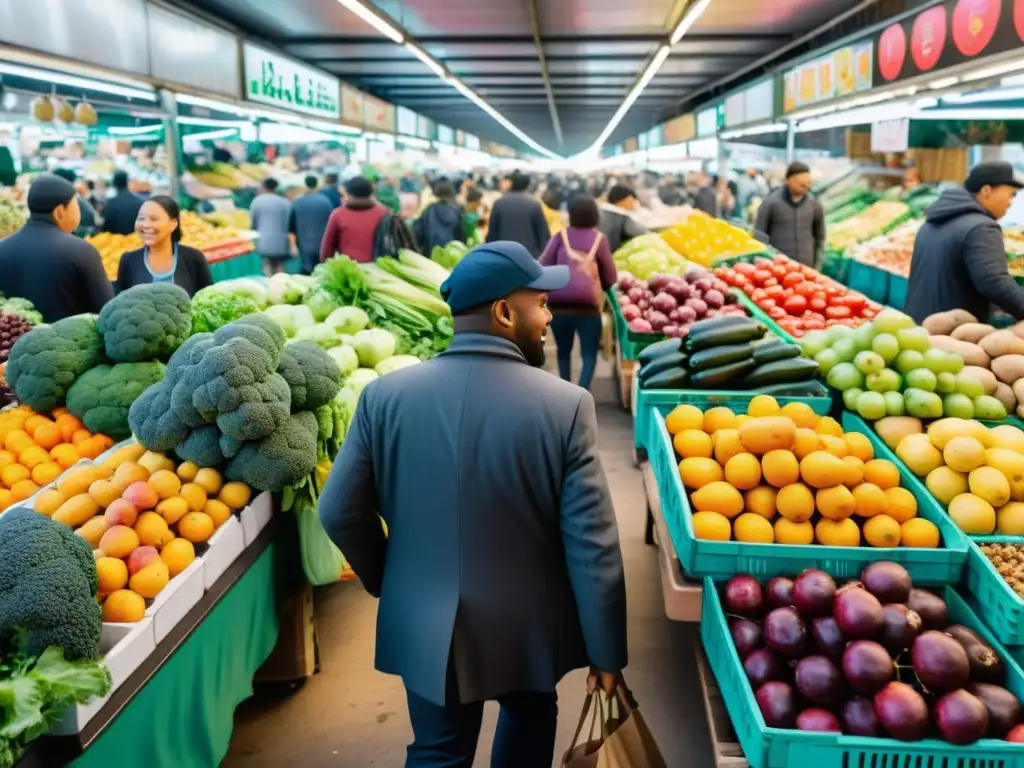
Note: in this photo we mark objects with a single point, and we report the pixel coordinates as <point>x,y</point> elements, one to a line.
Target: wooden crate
<point>728,753</point>
<point>624,372</point>
<point>682,598</point>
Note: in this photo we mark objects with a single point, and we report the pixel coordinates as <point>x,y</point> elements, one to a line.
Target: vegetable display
<point>449,255</point>
<point>668,304</point>
<point>702,239</point>
<point>218,305</point>
<point>146,322</point>
<point>648,255</point>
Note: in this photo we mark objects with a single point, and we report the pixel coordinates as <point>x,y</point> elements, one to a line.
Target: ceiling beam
<point>637,57</point>
<point>428,40</point>
<point>531,7</point>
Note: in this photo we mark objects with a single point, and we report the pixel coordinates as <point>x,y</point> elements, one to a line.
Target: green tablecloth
<point>184,716</point>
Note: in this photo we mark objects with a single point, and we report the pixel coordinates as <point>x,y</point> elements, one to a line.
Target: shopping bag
<point>624,740</point>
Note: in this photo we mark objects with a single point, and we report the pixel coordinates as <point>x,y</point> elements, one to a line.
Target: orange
<point>688,443</point>
<point>854,474</point>
<point>196,527</point>
<point>805,441</point>
<point>679,418</point>
<point>761,501</point>
<point>753,528</point>
<point>90,448</point>
<point>718,418</point>
<point>47,435</point>
<point>727,444</point>
<point>32,423</point>
<point>33,456</point>
<point>113,574</point>
<point>6,457</point>
<point>837,533</point>
<point>870,500</point>
<point>714,497</point>
<point>834,445</point>
<point>194,495</point>
<point>900,504</point>
<point>743,471</point>
<point>882,531</point>
<point>5,499</point>
<point>80,435</point>
<point>59,411</point>
<point>17,440</point>
<point>698,472</point>
<point>788,532</point>
<point>836,503</point>
<point>802,415</point>
<point>711,526</point>
<point>46,473</point>
<point>218,511</point>
<point>828,426</point>
<point>918,532</point>
<point>780,468</point>
<point>763,405</point>
<point>882,473</point>
<point>68,425</point>
<point>65,455</point>
<point>22,489</point>
<point>124,606</point>
<point>822,470</point>
<point>14,473</point>
<point>795,502</point>
<point>858,445</point>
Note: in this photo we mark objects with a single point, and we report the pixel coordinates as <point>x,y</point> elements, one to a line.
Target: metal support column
<point>172,141</point>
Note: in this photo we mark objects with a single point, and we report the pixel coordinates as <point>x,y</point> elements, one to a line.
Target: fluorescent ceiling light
<point>427,59</point>
<point>72,81</point>
<point>756,130</point>
<point>634,94</point>
<point>414,141</point>
<point>999,113</point>
<point>688,20</point>
<point>377,22</point>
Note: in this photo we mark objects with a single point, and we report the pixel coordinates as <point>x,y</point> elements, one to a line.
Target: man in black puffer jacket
<point>959,260</point>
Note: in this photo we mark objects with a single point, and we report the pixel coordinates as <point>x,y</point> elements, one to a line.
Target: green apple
<point>958,406</point>
<point>846,350</point>
<point>922,404</point>
<point>908,360</point>
<point>871,406</point>
<point>885,344</point>
<point>885,380</point>
<point>891,320</point>
<point>850,398</point>
<point>989,408</point>
<point>837,332</point>
<point>868,362</point>
<point>922,378</point>
<point>946,383</point>
<point>863,336</point>
<point>845,376</point>
<point>826,360</point>
<point>968,385</point>
<point>915,338</point>
<point>894,405</point>
<point>813,343</point>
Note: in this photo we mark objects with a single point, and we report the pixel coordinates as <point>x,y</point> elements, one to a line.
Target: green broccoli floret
<point>101,396</point>
<point>314,378</point>
<point>261,409</point>
<point>259,329</point>
<point>44,363</point>
<point>280,460</point>
<point>48,586</point>
<point>146,322</point>
<point>151,418</point>
<point>202,447</point>
<point>230,447</point>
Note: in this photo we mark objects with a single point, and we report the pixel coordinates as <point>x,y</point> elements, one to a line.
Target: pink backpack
<point>584,285</point>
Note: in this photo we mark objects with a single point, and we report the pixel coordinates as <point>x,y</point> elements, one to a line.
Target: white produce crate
<point>256,516</point>
<point>178,598</point>
<point>224,548</point>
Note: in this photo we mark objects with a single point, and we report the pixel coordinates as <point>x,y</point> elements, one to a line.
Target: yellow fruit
<point>236,495</point>
<point>105,492</point>
<point>741,418</point>
<point>858,445</point>
<point>854,473</point>
<point>919,532</point>
<point>718,497</point>
<point>882,531</point>
<point>743,471</point>
<point>788,532</point>
<point>688,444</point>
<point>210,480</point>
<point>900,504</point>
<point>113,574</point>
<point>1010,519</point>
<point>795,502</point>
<point>33,456</point>
<point>805,441</point>
<point>77,510</point>
<point>187,470</point>
<point>718,418</point>
<point>197,527</point>
<point>836,503</point>
<point>92,531</point>
<point>154,462</point>
<point>977,430</point>
<point>165,483</point>
<point>837,533</point>
<point>172,509</point>
<point>828,426</point>
<point>132,452</point>
<point>48,471</point>
<point>942,431</point>
<point>218,511</point>
<point>178,554</point>
<point>753,528</point>
<point>768,433</point>
<point>989,484</point>
<point>945,484</point>
<point>802,415</point>
<point>152,530</point>
<point>124,607</point>
<point>711,526</point>
<point>1007,436</point>
<point>697,472</point>
<point>972,514</point>
<point>761,501</point>
<point>22,490</point>
<point>834,445</point>
<point>918,453</point>
<point>49,501</point>
<point>14,473</point>
<point>882,473</point>
<point>129,473</point>
<point>870,500</point>
<point>194,495</point>
<point>681,418</point>
<point>763,405</point>
<point>780,468</point>
<point>1011,464</point>
<point>822,470</point>
<point>727,444</point>
<point>150,580</point>
<point>962,454</point>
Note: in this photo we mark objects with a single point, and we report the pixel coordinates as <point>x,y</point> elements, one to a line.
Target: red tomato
<point>855,302</point>
<point>868,314</point>
<point>761,276</point>
<point>757,295</point>
<point>744,268</point>
<point>766,304</point>
<point>792,279</point>
<point>777,313</point>
<point>774,292</point>
<point>834,290</point>
<point>814,324</point>
<point>837,313</point>
<point>780,259</point>
<point>779,272</point>
<point>770,282</point>
<point>796,305</point>
<point>806,288</point>
<point>749,289</point>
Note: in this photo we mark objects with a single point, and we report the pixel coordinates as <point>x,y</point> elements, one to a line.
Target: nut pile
<point>1008,560</point>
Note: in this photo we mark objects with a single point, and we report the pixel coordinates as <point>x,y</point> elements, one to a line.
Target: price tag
<point>890,136</point>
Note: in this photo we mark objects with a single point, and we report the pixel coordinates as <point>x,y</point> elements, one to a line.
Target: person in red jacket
<point>352,228</point>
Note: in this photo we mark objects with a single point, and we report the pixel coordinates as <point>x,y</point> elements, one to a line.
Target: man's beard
<point>532,349</point>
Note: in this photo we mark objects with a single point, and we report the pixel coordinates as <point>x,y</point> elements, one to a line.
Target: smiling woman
<point>162,259</point>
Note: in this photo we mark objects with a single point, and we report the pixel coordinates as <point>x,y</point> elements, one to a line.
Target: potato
<point>1009,368</point>
<point>985,376</point>
<point>1005,396</point>
<point>1001,343</point>
<point>1018,391</point>
<point>971,353</point>
<point>944,323</point>
<point>972,332</point>
<point>1017,329</point>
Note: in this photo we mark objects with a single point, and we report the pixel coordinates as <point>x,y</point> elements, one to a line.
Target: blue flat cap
<point>494,270</point>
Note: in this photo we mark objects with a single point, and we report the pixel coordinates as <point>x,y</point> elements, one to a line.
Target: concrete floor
<point>351,716</point>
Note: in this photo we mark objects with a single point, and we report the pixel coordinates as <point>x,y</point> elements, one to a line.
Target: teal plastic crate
<point>759,314</point>
<point>766,747</point>
<point>723,559</point>
<point>630,344</point>
<point>1000,607</point>
<point>897,291</point>
<point>869,280</point>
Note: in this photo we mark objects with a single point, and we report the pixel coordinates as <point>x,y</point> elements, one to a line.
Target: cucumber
<point>663,363</point>
<point>673,378</point>
<point>717,323</point>
<point>736,334</point>
<point>659,348</point>
<point>712,357</point>
<point>809,388</point>
<point>781,371</point>
<point>777,350</point>
<point>718,378</point>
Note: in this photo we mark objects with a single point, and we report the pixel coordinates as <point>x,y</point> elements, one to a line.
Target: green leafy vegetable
<point>214,306</point>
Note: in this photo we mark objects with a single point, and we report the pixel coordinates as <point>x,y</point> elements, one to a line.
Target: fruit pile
<point>797,297</point>
<point>667,304</point>
<point>648,255</point>
<point>889,367</point>
<point>869,223</point>
<point>788,476</point>
<point>143,517</point>
<point>874,657</point>
<point>36,449</point>
<point>702,239</point>
<point>1008,560</point>
<point>976,472</point>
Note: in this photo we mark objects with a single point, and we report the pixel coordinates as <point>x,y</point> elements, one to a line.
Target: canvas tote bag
<point>583,269</point>
<point>624,740</point>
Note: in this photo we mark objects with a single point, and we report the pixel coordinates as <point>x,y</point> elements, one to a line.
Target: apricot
<point>119,541</point>
<point>196,527</point>
<point>152,530</point>
<point>179,555</point>
<point>124,607</point>
<point>122,512</point>
<point>165,483</point>
<point>150,580</point>
<point>105,492</point>
<point>141,495</point>
<point>172,509</point>
<point>113,574</point>
<point>92,531</point>
<point>140,558</point>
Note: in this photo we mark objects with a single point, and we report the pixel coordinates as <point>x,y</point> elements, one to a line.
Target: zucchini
<point>777,350</point>
<point>780,371</point>
<point>659,348</point>
<point>717,378</point>
<point>717,323</point>
<point>712,357</point>
<point>736,334</point>
<point>663,363</point>
<point>673,378</point>
<point>809,388</point>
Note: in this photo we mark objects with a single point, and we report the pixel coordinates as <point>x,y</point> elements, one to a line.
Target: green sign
<point>280,82</point>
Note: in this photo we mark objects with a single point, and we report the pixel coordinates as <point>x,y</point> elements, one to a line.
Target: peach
<point>150,580</point>
<point>119,541</point>
<point>140,558</point>
<point>122,512</point>
<point>153,530</point>
<point>93,530</point>
<point>141,495</point>
<point>124,606</point>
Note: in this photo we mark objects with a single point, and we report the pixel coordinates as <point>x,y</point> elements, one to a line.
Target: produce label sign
<point>680,129</point>
<point>789,92</point>
<point>352,108</point>
<point>375,113</point>
<point>279,82</point>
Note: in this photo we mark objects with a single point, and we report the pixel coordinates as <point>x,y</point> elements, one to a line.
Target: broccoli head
<point>202,447</point>
<point>45,362</point>
<point>261,408</point>
<point>314,378</point>
<point>259,329</point>
<point>101,396</point>
<point>151,418</point>
<point>146,322</point>
<point>48,586</point>
<point>280,460</point>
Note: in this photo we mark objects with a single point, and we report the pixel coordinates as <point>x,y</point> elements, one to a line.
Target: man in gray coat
<point>518,216</point>
<point>792,219</point>
<point>501,569</point>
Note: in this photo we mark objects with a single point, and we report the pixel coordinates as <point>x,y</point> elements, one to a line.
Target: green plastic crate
<point>759,314</point>
<point>897,291</point>
<point>723,559</point>
<point>630,344</point>
<point>1001,607</point>
<point>869,280</point>
<point>766,747</point>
